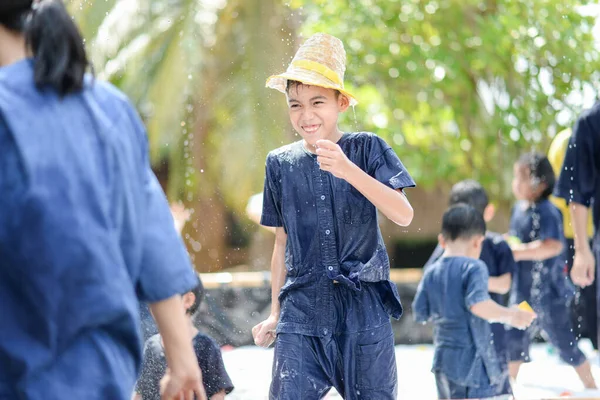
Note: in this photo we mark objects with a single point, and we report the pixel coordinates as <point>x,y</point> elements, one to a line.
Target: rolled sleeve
<point>476,287</point>
<point>386,167</point>
<point>550,225</point>
<point>166,268</point>
<point>271,209</point>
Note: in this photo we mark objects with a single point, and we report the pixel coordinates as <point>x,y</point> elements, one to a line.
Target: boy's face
<point>522,185</point>
<point>314,112</point>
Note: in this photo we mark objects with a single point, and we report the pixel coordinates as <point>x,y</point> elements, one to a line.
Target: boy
<point>331,294</point>
<point>498,258</point>
<point>216,381</point>
<point>453,294</point>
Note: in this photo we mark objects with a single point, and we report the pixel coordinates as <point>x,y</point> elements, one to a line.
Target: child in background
<point>497,256</point>
<point>540,279</point>
<point>216,381</point>
<point>453,294</point>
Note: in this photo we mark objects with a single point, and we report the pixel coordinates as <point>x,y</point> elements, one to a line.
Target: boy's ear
<point>441,241</point>
<point>188,300</point>
<point>489,212</point>
<point>343,102</point>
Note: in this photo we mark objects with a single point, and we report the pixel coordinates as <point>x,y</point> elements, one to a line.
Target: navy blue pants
<point>448,389</point>
<point>357,359</point>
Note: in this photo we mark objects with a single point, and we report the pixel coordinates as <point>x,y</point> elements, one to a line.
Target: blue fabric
<point>579,180</point>
<point>332,229</point>
<point>84,230</point>
<point>447,389</point>
<point>543,284</point>
<point>357,360</point>
<point>210,360</point>
<point>463,350</point>
<point>547,278</point>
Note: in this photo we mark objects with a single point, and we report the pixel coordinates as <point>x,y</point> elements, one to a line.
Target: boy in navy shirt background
<point>331,294</point>
<point>498,258</point>
<point>453,294</point>
<point>540,278</point>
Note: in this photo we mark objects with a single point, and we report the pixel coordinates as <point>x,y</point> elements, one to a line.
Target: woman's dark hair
<point>540,171</point>
<point>59,55</point>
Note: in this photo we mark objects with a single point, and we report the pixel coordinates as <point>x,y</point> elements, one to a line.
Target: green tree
<point>196,71</point>
<point>459,88</point>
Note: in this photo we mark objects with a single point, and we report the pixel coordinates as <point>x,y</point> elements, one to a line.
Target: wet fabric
<point>543,284</point>
<point>464,353</point>
<point>498,258</point>
<point>210,360</point>
<point>447,389</point>
<point>85,230</point>
<point>579,180</point>
<point>357,357</point>
<point>332,229</point>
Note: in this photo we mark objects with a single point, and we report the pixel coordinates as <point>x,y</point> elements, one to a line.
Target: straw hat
<point>320,61</point>
<point>9,6</point>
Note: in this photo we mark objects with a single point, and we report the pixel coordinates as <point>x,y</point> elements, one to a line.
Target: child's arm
<point>136,396</point>
<point>264,333</point>
<point>392,203</point>
<point>420,305</point>
<point>500,284</point>
<point>538,250</point>
<point>493,312</point>
<point>183,374</point>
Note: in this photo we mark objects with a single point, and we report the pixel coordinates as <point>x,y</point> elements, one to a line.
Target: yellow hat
<point>320,61</point>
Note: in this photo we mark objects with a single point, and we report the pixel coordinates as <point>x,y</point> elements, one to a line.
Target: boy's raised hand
<point>331,158</point>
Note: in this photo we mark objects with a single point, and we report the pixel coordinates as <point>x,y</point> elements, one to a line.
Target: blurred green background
<point>459,88</point>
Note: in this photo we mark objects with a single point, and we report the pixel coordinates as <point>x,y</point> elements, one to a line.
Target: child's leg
<point>555,321</point>
<point>447,389</point>
<point>518,349</point>
<point>513,369</point>
<point>218,396</point>
<point>298,372</point>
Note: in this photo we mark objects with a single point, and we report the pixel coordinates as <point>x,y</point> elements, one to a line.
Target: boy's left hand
<point>331,158</point>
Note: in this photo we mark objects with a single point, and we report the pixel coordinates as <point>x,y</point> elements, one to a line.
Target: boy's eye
<point>317,103</point>
<point>294,105</point>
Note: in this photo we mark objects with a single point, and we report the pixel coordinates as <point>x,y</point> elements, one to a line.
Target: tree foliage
<point>459,88</point>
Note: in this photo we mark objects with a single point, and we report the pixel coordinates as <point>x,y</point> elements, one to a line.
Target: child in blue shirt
<point>540,277</point>
<point>453,295</point>
<point>214,376</point>
<point>331,293</point>
<point>498,258</point>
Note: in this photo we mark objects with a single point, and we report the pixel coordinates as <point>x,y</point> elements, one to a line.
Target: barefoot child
<point>331,294</point>
<point>540,278</point>
<point>453,295</point>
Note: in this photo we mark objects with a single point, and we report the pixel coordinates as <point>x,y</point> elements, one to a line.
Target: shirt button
<point>330,268</point>
<point>325,331</point>
<point>322,197</point>
<point>327,232</point>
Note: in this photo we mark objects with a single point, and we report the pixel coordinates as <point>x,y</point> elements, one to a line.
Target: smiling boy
<point>331,294</point>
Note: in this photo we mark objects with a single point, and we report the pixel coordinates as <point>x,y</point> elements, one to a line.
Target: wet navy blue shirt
<point>579,180</point>
<point>463,349</point>
<point>498,258</point>
<point>85,230</point>
<point>534,280</point>
<point>332,229</point>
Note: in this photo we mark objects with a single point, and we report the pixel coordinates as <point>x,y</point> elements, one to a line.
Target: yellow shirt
<point>556,156</point>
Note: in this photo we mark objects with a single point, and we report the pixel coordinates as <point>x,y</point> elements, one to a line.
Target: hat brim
<point>279,82</point>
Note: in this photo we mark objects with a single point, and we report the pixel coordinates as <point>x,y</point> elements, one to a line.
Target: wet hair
<point>540,171</point>
<point>198,292</point>
<point>294,84</point>
<point>469,192</point>
<point>462,221</point>
<point>60,60</point>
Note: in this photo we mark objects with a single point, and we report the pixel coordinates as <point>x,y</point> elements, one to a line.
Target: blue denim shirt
<point>534,281</point>
<point>463,349</point>
<point>85,230</point>
<point>332,229</point>
<point>579,179</point>
<point>499,260</point>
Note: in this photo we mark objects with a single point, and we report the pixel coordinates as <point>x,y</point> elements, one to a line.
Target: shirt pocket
<point>351,206</point>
